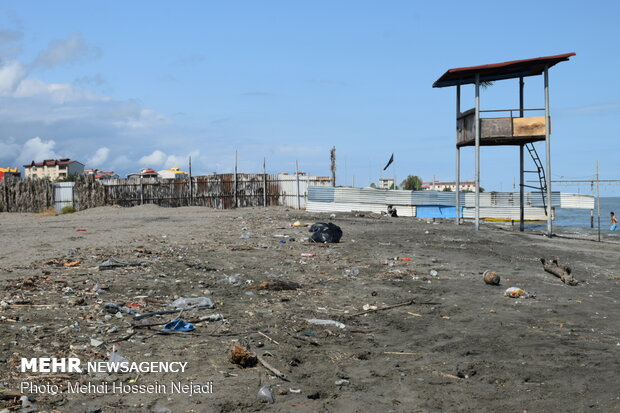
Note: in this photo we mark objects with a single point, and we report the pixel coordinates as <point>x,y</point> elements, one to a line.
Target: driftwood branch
<point>561,271</point>
<point>410,302</point>
<point>272,369</point>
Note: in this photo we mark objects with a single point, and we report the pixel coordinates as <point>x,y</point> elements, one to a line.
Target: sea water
<point>577,221</point>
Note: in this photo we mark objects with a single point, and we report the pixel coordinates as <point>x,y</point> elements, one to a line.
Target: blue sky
<point>125,85</point>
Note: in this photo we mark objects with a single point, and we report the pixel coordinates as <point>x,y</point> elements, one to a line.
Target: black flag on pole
<point>389,162</point>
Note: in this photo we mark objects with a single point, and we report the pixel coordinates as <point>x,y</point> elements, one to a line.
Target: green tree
<point>447,189</point>
<point>412,183</point>
<point>372,185</point>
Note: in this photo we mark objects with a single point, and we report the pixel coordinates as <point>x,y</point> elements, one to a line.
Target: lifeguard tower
<point>513,130</point>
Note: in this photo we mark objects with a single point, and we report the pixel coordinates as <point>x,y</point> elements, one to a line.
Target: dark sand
<point>462,346</point>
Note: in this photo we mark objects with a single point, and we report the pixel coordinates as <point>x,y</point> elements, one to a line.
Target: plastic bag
<point>265,394</point>
<point>325,232</point>
<point>326,322</point>
<point>182,303</point>
<point>516,292</point>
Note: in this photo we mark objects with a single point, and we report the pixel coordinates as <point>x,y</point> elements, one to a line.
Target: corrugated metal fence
<point>493,205</point>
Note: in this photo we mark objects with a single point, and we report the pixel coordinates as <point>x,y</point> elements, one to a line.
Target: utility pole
<point>598,201</point>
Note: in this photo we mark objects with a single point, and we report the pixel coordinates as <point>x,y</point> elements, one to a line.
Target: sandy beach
<point>451,343</point>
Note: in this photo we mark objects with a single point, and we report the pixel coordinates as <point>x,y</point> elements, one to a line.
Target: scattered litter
<point>433,273</point>
<point>72,263</point>
<point>351,272</point>
<point>114,263</point>
<point>282,241</point>
<point>265,394</point>
<point>405,259</point>
<point>326,322</point>
<point>95,343</point>
<point>233,279</point>
<point>114,308</point>
<point>325,232</point>
<point>212,318</point>
<point>308,254</point>
<point>193,302</point>
<point>178,325</point>
<point>342,382</point>
<point>247,235</point>
<point>294,390</point>
<point>115,357</point>
<point>515,292</point>
<point>491,277</point>
<point>414,314</point>
<point>80,229</point>
<point>369,307</point>
<point>296,224</point>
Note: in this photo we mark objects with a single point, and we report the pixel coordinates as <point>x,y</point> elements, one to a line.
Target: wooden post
<point>191,195</point>
<point>235,188</point>
<point>297,179</point>
<point>332,159</point>
<point>264,183</point>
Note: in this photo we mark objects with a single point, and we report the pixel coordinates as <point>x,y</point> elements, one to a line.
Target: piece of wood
<point>272,369</point>
<point>267,337</point>
<point>561,271</point>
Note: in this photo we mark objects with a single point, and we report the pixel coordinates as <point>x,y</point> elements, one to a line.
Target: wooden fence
<point>221,191</point>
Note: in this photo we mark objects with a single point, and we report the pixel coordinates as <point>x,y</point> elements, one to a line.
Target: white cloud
<point>157,158</point>
<point>160,159</point>
<point>9,149</point>
<point>11,75</point>
<point>100,156</point>
<point>66,51</point>
<point>36,149</point>
<point>181,161</point>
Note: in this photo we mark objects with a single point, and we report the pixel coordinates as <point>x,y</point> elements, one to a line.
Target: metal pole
<point>264,183</point>
<point>297,179</point>
<point>598,201</point>
<point>235,189</point>
<point>521,165</point>
<point>191,195</point>
<point>521,190</point>
<point>477,174</point>
<point>457,201</point>
<point>548,150</point>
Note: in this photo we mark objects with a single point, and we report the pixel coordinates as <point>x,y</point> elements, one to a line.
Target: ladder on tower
<point>540,171</point>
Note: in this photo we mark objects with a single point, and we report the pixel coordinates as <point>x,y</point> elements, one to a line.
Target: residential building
<point>99,175</point>
<point>53,168</point>
<point>144,173</point>
<point>172,173</point>
<point>9,172</point>
<point>386,183</point>
<point>441,186</point>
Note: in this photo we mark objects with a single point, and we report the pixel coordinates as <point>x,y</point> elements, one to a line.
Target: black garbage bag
<point>325,232</point>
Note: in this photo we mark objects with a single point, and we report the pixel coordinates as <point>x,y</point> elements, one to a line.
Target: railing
<point>512,110</point>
